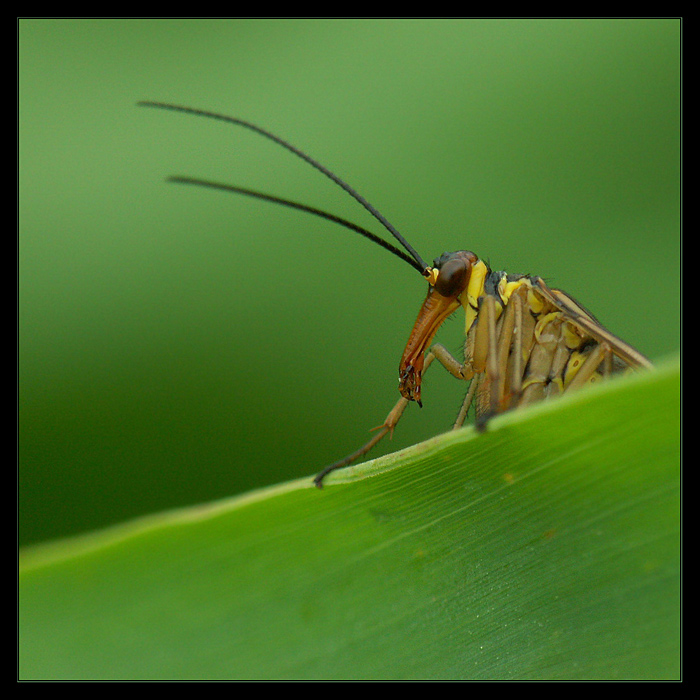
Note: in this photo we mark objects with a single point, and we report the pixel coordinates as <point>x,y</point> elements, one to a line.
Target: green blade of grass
<point>546,548</point>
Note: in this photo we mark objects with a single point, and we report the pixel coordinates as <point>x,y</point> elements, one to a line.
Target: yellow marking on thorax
<point>544,321</point>
<point>572,336</point>
<point>535,301</point>
<point>470,296</point>
<point>506,289</point>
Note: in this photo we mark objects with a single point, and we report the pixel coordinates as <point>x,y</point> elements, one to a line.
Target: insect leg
<point>486,360</point>
<point>500,398</point>
<point>443,356</point>
<point>387,427</point>
<point>499,351</point>
<point>458,370</point>
<point>600,353</point>
<point>515,367</point>
<point>436,352</point>
<point>461,416</point>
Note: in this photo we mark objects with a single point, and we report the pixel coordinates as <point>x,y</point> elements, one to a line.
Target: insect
<point>524,342</point>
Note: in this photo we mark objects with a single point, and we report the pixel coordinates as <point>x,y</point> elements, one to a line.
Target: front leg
<point>437,352</point>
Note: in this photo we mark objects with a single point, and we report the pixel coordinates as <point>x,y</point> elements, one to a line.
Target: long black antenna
<point>303,207</point>
<point>354,194</point>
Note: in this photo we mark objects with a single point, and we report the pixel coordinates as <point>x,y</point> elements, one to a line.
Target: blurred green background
<point>178,345</point>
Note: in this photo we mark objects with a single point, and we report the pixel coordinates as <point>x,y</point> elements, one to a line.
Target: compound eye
<point>453,277</point>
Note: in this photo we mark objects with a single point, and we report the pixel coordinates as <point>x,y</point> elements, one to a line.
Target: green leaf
<point>546,548</point>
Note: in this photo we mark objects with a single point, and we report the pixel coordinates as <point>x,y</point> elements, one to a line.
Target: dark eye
<point>453,277</point>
